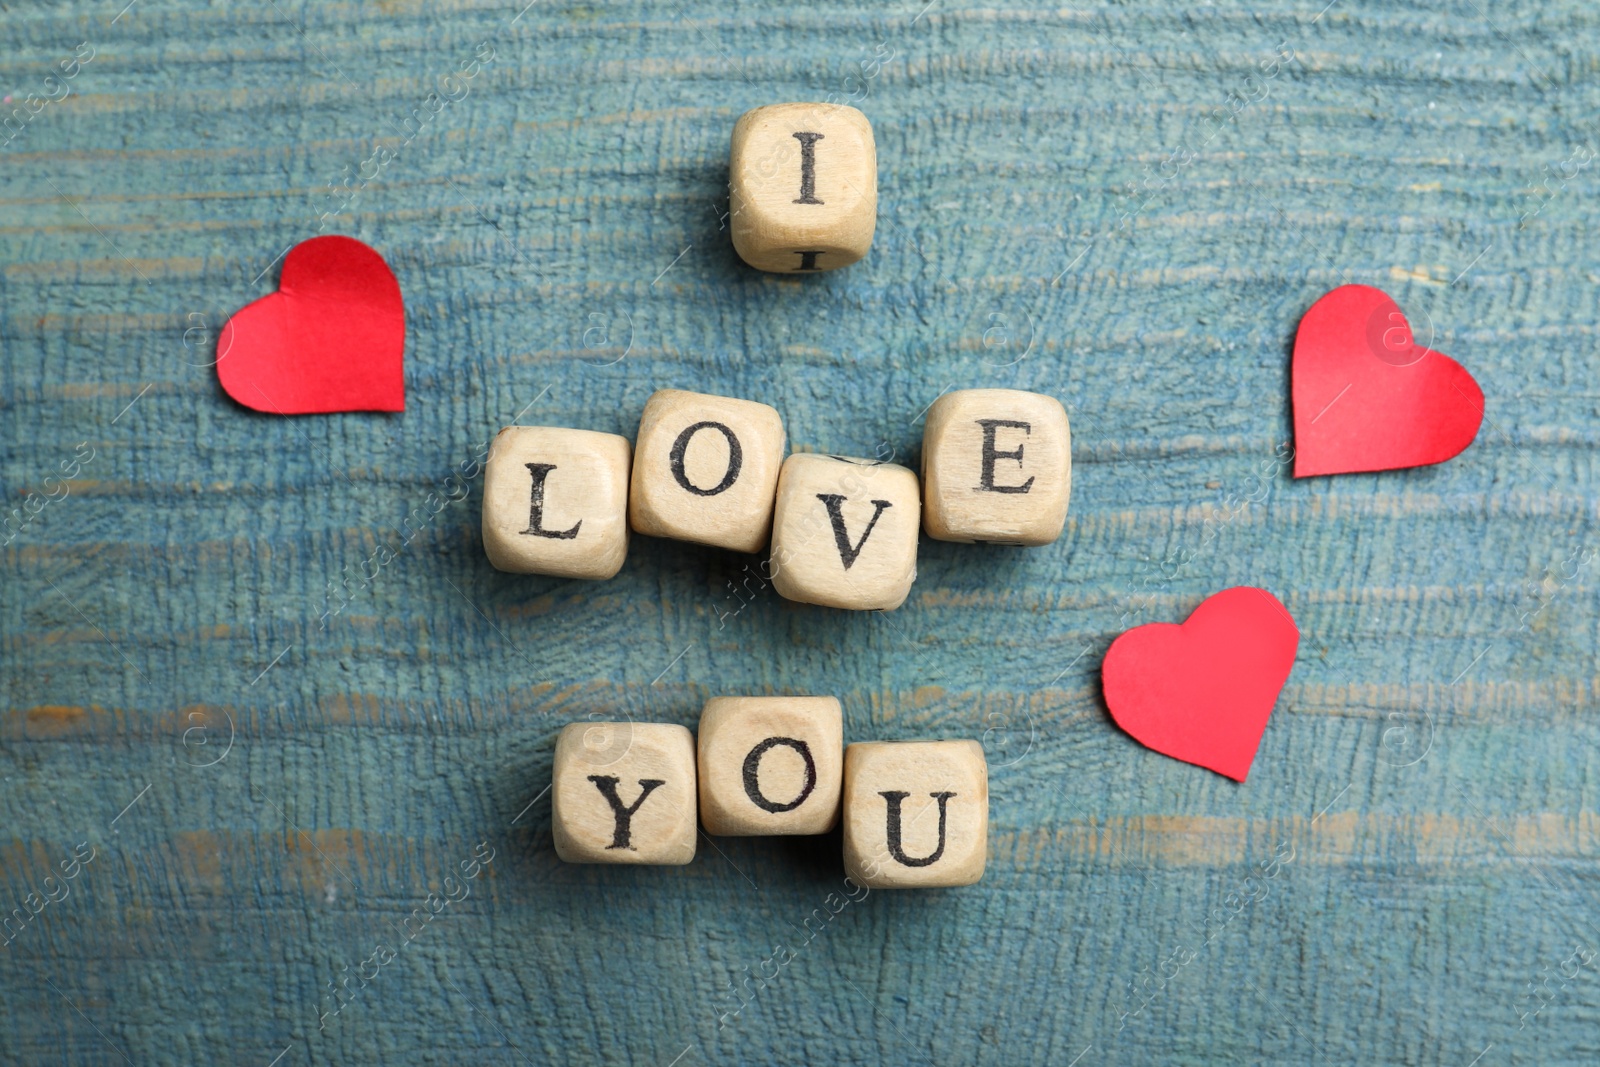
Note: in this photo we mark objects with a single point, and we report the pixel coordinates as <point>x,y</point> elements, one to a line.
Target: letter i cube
<point>916,813</point>
<point>555,501</point>
<point>802,187</point>
<point>624,792</point>
<point>996,467</point>
<point>771,765</point>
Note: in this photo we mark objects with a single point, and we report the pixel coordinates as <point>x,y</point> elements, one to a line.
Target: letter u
<point>896,846</point>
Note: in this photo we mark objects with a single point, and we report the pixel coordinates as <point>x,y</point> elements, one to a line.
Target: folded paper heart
<point>1367,397</point>
<point>332,338</point>
<point>1202,691</point>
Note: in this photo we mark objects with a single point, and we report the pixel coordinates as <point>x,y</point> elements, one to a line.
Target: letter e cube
<point>996,467</point>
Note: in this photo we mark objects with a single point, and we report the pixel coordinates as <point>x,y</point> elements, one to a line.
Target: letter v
<point>847,551</point>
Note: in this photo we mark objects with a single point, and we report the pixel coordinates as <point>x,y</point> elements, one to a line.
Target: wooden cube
<point>771,765</point>
<point>996,467</point>
<point>555,501</point>
<point>802,187</point>
<point>624,792</point>
<point>705,469</point>
<point>916,813</point>
<point>844,532</point>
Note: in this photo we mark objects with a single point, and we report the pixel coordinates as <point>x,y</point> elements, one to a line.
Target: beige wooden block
<point>555,501</point>
<point>996,467</point>
<point>624,792</point>
<point>771,765</point>
<point>802,187</point>
<point>705,469</point>
<point>916,813</point>
<point>844,532</point>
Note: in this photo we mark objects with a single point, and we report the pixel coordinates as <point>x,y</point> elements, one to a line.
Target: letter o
<point>681,446</point>
<point>752,774</point>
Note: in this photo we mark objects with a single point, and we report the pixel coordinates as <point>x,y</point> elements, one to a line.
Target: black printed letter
<point>808,167</point>
<point>536,506</point>
<point>681,446</point>
<point>622,836</point>
<point>896,848</point>
<point>752,771</point>
<point>986,479</point>
<point>847,551</point>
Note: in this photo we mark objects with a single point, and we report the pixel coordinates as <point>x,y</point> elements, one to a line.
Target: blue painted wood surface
<point>270,791</point>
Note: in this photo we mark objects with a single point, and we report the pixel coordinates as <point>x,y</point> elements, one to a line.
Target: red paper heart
<point>332,338</point>
<point>1201,692</point>
<point>1367,397</point>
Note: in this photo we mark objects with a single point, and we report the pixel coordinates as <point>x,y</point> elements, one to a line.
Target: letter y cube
<point>624,792</point>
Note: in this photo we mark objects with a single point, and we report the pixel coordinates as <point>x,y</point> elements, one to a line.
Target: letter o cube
<point>555,501</point>
<point>624,792</point>
<point>705,469</point>
<point>771,765</point>
<point>916,813</point>
<point>802,187</point>
<point>844,532</point>
<point>996,467</point>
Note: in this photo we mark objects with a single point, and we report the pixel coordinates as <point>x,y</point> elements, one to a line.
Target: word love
<point>996,468</point>
<point>916,813</point>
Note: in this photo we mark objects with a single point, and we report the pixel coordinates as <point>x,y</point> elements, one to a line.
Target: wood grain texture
<point>1063,209</point>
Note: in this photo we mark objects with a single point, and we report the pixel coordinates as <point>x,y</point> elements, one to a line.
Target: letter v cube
<point>624,792</point>
<point>844,532</point>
